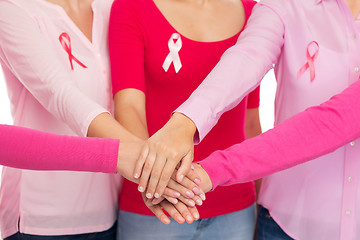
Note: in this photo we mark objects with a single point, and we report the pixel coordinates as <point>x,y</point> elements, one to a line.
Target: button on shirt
<point>315,49</point>
<point>49,94</point>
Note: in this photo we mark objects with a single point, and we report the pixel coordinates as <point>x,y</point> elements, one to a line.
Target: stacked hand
<point>164,171</point>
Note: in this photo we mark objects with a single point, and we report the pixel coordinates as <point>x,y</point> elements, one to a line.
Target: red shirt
<point>138,40</point>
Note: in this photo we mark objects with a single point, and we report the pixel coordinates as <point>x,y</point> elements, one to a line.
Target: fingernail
<point>157,195</point>
<point>189,218</point>
<point>141,189</point>
<point>199,202</point>
<point>148,195</point>
<point>180,218</point>
<point>189,194</point>
<point>174,201</point>
<point>202,196</point>
<point>136,175</point>
<point>192,167</point>
<point>197,181</point>
<point>191,203</point>
<point>196,215</point>
<point>177,194</point>
<point>165,220</point>
<point>181,177</point>
<point>196,190</point>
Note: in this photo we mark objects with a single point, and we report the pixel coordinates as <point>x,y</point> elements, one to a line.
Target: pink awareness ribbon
<point>65,41</point>
<point>310,61</point>
<point>174,45</point>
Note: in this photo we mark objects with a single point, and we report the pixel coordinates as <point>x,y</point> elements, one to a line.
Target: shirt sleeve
<point>239,71</point>
<point>254,98</point>
<point>126,46</point>
<point>30,56</point>
<point>35,150</point>
<point>310,134</point>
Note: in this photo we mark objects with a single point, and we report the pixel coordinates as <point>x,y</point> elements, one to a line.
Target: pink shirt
<point>35,150</point>
<point>46,94</point>
<point>319,199</point>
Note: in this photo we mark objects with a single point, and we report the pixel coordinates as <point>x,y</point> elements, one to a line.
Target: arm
<point>126,46</point>
<point>316,131</point>
<point>239,72</point>
<point>26,52</point>
<point>130,111</point>
<point>31,149</point>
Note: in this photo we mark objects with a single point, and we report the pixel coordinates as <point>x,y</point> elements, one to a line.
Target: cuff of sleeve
<point>210,166</point>
<point>110,163</point>
<point>200,113</point>
<point>85,125</point>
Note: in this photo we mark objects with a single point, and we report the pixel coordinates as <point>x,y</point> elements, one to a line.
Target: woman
<point>159,52</point>
<point>292,35</point>
<point>54,57</point>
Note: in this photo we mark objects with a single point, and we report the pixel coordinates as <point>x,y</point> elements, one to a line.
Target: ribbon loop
<point>65,41</point>
<point>174,45</point>
<point>310,61</point>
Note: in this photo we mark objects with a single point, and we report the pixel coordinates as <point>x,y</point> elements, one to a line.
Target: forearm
<point>239,71</point>
<point>317,131</point>
<point>35,150</point>
<point>105,126</point>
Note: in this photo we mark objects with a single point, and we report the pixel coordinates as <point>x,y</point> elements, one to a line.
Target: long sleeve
<point>239,71</point>
<point>30,56</point>
<point>316,131</point>
<point>35,150</point>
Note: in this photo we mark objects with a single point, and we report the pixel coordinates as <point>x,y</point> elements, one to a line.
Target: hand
<point>162,153</point>
<point>188,192</point>
<point>128,154</point>
<point>179,211</point>
<point>197,177</point>
<point>205,181</point>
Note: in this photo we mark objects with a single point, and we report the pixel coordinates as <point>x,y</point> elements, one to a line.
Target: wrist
<point>179,120</point>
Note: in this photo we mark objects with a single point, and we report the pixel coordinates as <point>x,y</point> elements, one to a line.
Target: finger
<point>171,193</point>
<point>157,210</point>
<point>187,201</point>
<point>184,191</point>
<point>173,211</point>
<point>187,183</point>
<point>193,176</point>
<point>148,165</point>
<point>157,200</point>
<point>185,166</point>
<point>141,160</point>
<point>166,174</point>
<point>185,212</point>
<point>194,212</point>
<point>171,199</point>
<point>155,176</point>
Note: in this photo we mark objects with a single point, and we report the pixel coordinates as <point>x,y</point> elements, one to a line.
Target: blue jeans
<point>233,226</point>
<point>267,228</point>
<point>105,235</point>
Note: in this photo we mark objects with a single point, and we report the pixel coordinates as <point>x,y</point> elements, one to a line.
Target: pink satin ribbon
<point>310,61</point>
<point>67,47</point>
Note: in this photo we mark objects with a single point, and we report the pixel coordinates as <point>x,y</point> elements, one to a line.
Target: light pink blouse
<point>58,81</point>
<point>315,46</point>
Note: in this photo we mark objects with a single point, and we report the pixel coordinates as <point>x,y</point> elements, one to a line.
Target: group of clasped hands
<point>168,179</point>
